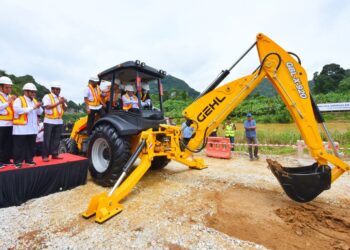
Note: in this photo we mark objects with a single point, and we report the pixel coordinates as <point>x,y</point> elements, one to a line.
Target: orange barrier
<point>218,147</point>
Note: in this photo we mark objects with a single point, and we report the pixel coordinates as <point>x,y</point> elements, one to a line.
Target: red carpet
<point>39,162</point>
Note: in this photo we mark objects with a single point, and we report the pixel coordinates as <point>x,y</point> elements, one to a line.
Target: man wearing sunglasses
<point>6,116</point>
<point>25,125</point>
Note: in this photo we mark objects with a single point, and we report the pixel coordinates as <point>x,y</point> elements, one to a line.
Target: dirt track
<point>234,204</point>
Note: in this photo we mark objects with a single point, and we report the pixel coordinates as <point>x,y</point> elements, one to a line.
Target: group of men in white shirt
<point>19,123</point>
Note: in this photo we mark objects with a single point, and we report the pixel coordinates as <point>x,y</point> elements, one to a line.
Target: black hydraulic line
<point>128,165</point>
<point>293,54</point>
<point>317,112</point>
<point>263,61</point>
<point>223,74</point>
<point>134,156</point>
<point>204,144</point>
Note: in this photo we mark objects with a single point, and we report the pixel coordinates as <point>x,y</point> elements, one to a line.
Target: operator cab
<point>143,84</point>
<point>147,88</point>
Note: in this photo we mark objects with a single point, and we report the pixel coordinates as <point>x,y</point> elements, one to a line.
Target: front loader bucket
<point>302,184</point>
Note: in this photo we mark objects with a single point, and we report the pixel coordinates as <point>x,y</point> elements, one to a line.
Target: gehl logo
<point>209,108</point>
<point>294,74</point>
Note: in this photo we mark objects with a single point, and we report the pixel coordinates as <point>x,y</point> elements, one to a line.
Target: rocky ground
<point>233,204</point>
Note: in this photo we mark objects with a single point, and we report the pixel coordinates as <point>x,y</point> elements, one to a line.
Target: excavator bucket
<point>302,184</point>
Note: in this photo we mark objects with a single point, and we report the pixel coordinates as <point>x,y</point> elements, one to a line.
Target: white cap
<point>129,87</point>
<point>145,86</point>
<point>104,86</point>
<point>5,80</point>
<point>29,86</point>
<point>56,85</point>
<point>117,81</point>
<point>94,79</point>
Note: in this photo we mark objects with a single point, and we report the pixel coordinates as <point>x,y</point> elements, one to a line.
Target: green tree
<point>329,78</point>
<point>344,85</point>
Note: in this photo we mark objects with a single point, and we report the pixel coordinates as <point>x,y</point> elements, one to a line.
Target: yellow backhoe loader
<point>164,142</point>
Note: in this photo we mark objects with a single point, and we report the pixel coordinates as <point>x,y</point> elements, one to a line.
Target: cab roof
<point>127,71</point>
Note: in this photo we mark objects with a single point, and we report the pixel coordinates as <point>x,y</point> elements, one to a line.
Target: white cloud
<point>193,40</point>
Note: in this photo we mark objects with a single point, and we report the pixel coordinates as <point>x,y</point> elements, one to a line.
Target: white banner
<point>340,106</point>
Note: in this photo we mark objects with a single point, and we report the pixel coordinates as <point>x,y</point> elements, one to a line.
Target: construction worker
<point>230,131</point>
<point>6,117</point>
<point>105,88</point>
<point>146,102</point>
<point>187,132</point>
<point>250,133</point>
<point>55,106</point>
<point>94,104</point>
<point>130,102</point>
<point>106,93</point>
<point>25,125</point>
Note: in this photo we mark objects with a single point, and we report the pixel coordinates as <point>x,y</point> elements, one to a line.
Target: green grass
<point>289,134</point>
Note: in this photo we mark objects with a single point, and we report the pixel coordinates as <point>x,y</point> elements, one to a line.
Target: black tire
<point>62,148</point>
<point>159,162</point>
<point>108,152</point>
<point>72,147</point>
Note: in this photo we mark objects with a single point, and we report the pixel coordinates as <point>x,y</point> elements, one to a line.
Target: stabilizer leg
<point>106,205</point>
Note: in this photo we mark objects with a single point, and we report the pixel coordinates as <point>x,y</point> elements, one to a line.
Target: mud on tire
<point>159,162</point>
<point>108,152</point>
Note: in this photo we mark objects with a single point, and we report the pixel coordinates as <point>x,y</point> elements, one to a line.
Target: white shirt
<point>90,97</point>
<point>133,101</point>
<point>147,102</point>
<point>40,135</point>
<point>46,102</point>
<point>31,128</point>
<point>3,111</point>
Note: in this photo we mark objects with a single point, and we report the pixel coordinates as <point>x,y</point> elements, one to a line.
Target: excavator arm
<point>211,108</point>
<point>290,81</point>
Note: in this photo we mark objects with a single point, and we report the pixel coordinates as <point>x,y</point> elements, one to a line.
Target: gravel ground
<point>166,210</point>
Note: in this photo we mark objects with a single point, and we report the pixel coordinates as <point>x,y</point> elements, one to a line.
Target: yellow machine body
<point>210,110</point>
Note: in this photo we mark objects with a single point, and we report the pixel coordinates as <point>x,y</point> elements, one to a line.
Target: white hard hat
<point>104,85</point>
<point>117,81</point>
<point>5,80</point>
<point>56,85</point>
<point>145,86</point>
<point>29,86</point>
<point>94,79</point>
<point>129,87</point>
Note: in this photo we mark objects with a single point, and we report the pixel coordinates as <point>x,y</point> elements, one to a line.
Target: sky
<point>69,41</point>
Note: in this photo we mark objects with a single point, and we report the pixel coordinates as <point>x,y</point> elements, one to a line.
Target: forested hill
<point>265,88</point>
<point>19,81</point>
<point>171,83</point>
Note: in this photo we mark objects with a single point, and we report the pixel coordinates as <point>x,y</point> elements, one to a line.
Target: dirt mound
<point>233,204</point>
<point>267,218</point>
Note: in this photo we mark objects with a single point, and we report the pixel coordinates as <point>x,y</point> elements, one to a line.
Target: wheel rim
<point>100,155</point>
<point>62,149</point>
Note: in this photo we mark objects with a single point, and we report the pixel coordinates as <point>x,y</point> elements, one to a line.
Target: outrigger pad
<point>302,184</point>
